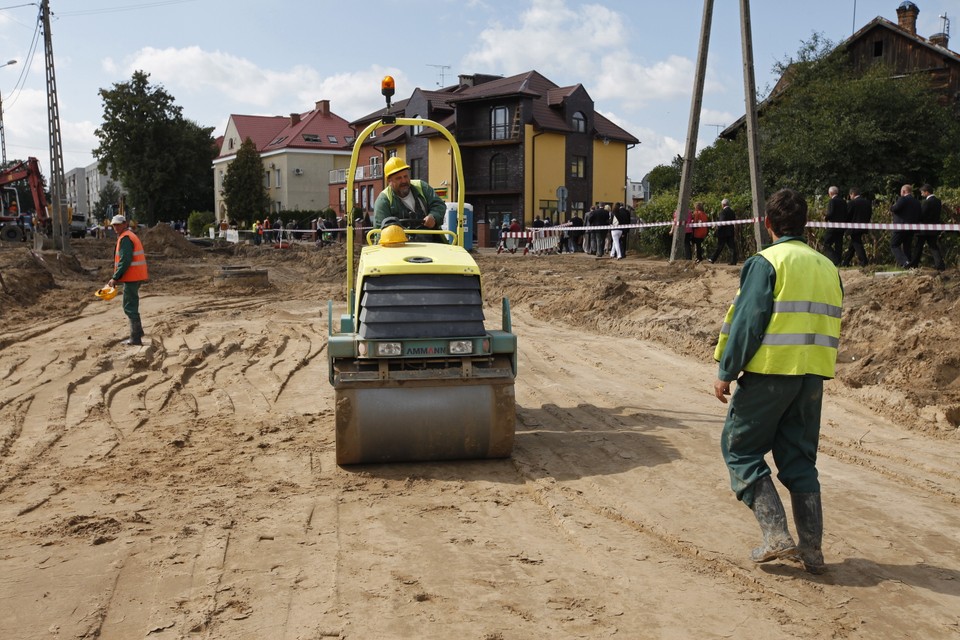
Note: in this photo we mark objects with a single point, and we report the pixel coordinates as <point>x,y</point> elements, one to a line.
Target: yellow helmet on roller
<point>393,235</point>
<point>106,293</point>
<point>394,165</point>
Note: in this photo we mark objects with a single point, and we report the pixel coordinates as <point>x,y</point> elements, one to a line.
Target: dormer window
<point>579,122</point>
<point>311,137</point>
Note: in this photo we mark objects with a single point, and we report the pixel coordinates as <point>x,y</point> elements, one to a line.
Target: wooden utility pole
<point>753,147</point>
<point>61,224</point>
<point>750,103</point>
<point>690,154</point>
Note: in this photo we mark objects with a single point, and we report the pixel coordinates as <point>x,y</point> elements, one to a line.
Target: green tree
<point>243,191</point>
<point>827,125</point>
<point>665,177</point>
<point>161,158</point>
<point>109,196</point>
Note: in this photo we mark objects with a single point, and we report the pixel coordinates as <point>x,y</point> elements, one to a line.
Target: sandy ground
<point>187,489</point>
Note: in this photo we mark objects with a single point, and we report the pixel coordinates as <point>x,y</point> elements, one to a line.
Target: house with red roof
<point>298,153</point>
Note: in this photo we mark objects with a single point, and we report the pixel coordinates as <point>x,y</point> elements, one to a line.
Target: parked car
<point>78,225</point>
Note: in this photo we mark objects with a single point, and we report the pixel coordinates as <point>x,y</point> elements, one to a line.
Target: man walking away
<point>930,210</point>
<point>780,336</point>
<point>726,233</point>
<point>130,268</point>
<point>859,209</point>
<point>906,210</point>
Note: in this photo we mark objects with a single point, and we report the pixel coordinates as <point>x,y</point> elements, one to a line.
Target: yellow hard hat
<point>393,235</point>
<point>393,165</point>
<point>107,293</point>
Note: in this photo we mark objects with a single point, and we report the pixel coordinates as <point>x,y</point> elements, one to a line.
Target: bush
<point>199,221</point>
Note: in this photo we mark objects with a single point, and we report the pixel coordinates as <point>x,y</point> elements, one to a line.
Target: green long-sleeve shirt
<point>126,257</point>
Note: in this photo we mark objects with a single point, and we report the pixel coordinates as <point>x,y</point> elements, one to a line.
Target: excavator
<point>416,374</point>
<point>11,229</point>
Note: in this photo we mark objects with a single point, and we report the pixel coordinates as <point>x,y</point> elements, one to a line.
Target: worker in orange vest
<point>130,268</point>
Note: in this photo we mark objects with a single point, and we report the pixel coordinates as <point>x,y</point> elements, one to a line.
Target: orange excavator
<point>11,228</point>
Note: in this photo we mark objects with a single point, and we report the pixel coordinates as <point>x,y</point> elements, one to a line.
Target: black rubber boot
<point>136,332</point>
<point>768,508</point>
<point>808,516</point>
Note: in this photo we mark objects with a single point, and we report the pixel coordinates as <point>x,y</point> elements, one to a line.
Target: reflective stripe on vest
<point>137,270</point>
<point>803,334</point>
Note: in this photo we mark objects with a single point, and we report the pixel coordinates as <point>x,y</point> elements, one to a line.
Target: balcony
<point>365,172</point>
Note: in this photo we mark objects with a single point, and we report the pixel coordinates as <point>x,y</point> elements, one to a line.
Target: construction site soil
<point>188,489</point>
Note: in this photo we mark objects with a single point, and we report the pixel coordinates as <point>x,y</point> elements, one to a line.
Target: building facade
<point>298,153</point>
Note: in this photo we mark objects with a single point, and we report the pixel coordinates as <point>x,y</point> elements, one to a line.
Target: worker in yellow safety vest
<point>779,342</point>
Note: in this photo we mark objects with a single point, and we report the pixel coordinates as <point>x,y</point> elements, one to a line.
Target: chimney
<point>940,39</point>
<point>294,118</point>
<point>907,17</point>
<point>323,107</point>
<point>466,80</point>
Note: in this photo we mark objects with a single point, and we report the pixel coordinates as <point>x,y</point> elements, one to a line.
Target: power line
<point>93,12</point>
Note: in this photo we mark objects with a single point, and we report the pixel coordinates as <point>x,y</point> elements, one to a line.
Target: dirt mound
<point>163,239</point>
<point>24,276</point>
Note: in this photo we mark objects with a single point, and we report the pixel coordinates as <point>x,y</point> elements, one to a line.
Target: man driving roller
<point>413,203</point>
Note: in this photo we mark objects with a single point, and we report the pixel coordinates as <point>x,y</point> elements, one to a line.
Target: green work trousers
<point>131,300</point>
<point>779,414</point>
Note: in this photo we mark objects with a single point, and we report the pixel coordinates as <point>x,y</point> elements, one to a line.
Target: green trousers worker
<point>780,336</point>
<point>130,268</point>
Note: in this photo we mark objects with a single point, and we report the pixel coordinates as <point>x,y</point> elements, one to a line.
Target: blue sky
<point>219,57</point>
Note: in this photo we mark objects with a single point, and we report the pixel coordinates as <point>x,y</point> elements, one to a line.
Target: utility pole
<point>3,137</point>
<point>753,147</point>
<point>61,226</point>
<point>690,155</point>
<point>750,101</point>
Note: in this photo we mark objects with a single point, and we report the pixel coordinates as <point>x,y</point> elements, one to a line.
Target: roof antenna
<point>440,68</point>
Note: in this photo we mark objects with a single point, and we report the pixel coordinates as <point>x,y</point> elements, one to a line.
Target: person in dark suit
<point>726,234</point>
<point>906,210</point>
<point>859,209</point>
<point>930,210</point>
<point>833,238</point>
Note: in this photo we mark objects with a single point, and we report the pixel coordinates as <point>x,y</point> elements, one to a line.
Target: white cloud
<point>195,76</point>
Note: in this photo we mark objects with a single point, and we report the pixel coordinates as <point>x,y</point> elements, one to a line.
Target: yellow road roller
<point>417,375</point>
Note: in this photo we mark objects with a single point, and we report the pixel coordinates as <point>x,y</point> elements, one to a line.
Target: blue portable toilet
<point>450,222</point>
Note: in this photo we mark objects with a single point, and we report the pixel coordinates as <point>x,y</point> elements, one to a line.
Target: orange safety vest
<point>137,271</point>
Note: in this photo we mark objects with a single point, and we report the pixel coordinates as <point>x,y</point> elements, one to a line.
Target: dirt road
<point>187,489</point>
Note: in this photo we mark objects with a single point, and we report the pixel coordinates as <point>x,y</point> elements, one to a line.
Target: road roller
<point>416,373</point>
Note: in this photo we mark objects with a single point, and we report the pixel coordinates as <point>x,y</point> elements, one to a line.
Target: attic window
<point>279,140</point>
<point>878,49</point>
<point>348,139</point>
<point>311,137</point>
<point>579,122</point>
<point>332,139</point>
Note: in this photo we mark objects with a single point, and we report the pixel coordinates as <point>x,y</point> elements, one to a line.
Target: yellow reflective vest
<point>803,333</point>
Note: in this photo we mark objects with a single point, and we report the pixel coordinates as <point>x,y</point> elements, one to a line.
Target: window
<point>878,48</point>
<point>266,179</point>
<point>579,122</point>
<point>417,128</point>
<point>278,140</point>
<point>276,178</point>
<point>311,137</point>
<point>416,169</point>
<point>498,172</point>
<point>230,143</point>
<point>332,139</point>
<point>219,178</point>
<point>578,166</point>
<point>498,123</point>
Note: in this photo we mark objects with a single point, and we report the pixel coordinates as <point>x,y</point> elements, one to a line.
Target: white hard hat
<point>118,219</point>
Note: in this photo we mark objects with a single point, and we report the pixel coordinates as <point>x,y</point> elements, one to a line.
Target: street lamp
<point>3,138</point>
